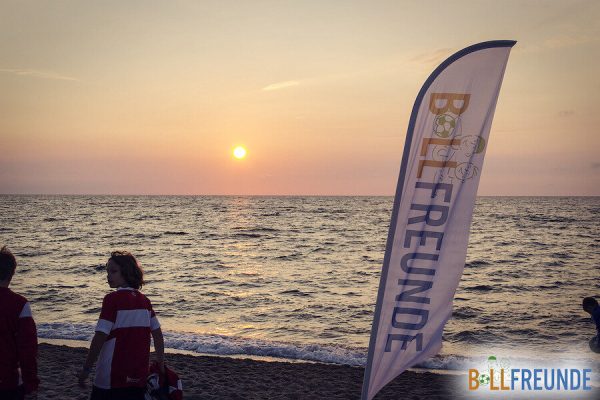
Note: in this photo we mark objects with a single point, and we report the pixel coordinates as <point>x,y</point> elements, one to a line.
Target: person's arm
<point>159,349</point>
<point>95,347</point>
<point>27,349</point>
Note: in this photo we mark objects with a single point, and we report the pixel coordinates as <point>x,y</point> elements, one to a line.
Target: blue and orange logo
<point>498,375</point>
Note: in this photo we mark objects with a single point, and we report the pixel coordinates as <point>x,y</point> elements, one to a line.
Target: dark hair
<point>589,302</point>
<point>8,264</point>
<point>130,269</point>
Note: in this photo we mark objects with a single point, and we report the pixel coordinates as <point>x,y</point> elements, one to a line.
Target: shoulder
<point>15,303</point>
<point>111,295</point>
<point>111,298</point>
<point>127,296</point>
<point>19,298</point>
<point>143,297</point>
<point>15,298</point>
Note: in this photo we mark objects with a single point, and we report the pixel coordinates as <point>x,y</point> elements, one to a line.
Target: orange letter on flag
<point>448,101</point>
<point>473,379</point>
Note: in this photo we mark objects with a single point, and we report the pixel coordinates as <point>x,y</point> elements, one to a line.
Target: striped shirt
<point>127,318</point>
<point>18,343</point>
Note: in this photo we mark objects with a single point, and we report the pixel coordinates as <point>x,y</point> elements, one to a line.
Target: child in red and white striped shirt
<point>18,338</point>
<point>122,339</point>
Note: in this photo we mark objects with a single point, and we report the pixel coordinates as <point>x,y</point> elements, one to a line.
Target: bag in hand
<point>166,387</point>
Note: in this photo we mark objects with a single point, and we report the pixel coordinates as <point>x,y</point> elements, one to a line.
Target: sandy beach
<point>206,377</point>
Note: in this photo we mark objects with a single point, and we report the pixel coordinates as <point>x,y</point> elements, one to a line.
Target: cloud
<point>566,113</point>
<point>596,165</point>
<point>432,58</point>
<point>38,74</point>
<point>280,85</point>
<point>559,42</point>
<point>556,43</point>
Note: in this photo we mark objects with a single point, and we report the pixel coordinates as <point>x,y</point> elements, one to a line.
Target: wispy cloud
<point>566,113</point>
<point>596,165</point>
<point>38,74</point>
<point>280,85</point>
<point>432,58</point>
<point>559,42</point>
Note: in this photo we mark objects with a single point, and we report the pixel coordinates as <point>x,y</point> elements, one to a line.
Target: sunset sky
<point>151,97</point>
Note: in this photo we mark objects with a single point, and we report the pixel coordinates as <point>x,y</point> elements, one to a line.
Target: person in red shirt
<point>18,338</point>
<point>122,338</point>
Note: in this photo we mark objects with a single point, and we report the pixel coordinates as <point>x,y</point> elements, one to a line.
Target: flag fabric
<point>429,230</point>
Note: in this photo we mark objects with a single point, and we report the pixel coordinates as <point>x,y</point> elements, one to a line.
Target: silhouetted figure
<point>122,338</point>
<point>18,338</point>
<point>590,305</point>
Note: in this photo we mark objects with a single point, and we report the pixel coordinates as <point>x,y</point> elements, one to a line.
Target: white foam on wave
<point>235,346</point>
<point>223,345</point>
<point>66,331</point>
<point>447,362</point>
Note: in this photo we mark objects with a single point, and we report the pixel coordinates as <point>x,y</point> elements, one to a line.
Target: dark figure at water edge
<point>590,305</point>
<point>122,338</point>
<point>18,338</point>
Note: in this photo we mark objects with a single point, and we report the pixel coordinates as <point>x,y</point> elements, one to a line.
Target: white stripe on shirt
<point>104,365</point>
<point>132,318</point>
<point>26,311</point>
<point>154,324</point>
<point>104,326</point>
<point>175,388</point>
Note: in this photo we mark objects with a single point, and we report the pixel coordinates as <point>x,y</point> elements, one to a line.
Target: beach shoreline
<point>217,377</point>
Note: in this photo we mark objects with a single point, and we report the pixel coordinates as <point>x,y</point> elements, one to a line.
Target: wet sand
<point>210,378</point>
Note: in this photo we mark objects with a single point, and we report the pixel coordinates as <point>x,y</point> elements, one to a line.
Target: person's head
<point>8,264</point>
<point>589,304</point>
<point>123,270</point>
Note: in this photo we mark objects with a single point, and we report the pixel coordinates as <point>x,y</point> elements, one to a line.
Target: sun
<point>239,152</point>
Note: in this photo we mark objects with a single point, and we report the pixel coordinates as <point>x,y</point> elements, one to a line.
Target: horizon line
<point>271,195</point>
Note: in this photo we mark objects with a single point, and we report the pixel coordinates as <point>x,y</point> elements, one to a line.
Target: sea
<point>296,278</point>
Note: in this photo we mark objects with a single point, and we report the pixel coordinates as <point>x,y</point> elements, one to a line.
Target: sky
<point>151,97</point>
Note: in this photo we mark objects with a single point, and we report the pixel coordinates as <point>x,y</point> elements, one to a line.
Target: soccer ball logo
<point>484,379</point>
<point>465,171</point>
<point>444,125</point>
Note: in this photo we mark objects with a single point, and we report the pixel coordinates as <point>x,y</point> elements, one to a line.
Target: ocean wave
<point>247,235</point>
<point>482,336</point>
<point>481,288</point>
<point>65,330</point>
<point>548,286</point>
<point>545,218</point>
<point>465,313</point>
<point>451,362</point>
<point>556,263</point>
<point>223,345</point>
<point>562,254</point>
<point>477,263</point>
<point>34,253</point>
<point>255,229</point>
<point>523,332</point>
<point>538,244</point>
<point>295,292</point>
<point>521,254</point>
<point>321,250</point>
<point>69,239</point>
<point>289,257</point>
